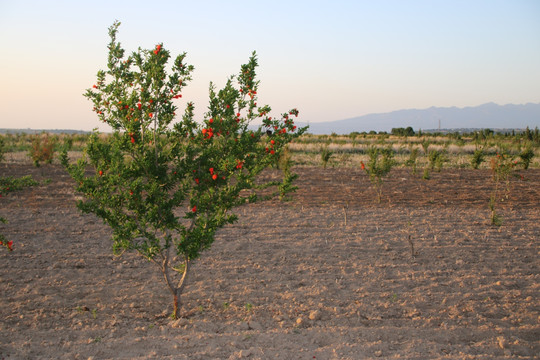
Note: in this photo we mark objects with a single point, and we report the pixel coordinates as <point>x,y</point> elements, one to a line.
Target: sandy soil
<point>328,275</point>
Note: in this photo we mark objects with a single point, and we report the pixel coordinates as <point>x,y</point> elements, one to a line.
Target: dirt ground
<point>327,275</point>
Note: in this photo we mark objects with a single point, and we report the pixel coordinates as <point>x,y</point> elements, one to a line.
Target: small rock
<point>254,325</point>
<point>378,353</point>
<point>244,325</point>
<point>315,315</point>
<point>245,353</point>
<point>179,323</point>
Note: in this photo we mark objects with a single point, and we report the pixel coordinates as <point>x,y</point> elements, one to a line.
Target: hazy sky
<point>331,59</point>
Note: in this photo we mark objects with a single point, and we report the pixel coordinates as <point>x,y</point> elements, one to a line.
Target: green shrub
<point>526,156</point>
<point>2,148</point>
<point>43,149</point>
<point>478,158</point>
<point>326,154</point>
<point>379,165</point>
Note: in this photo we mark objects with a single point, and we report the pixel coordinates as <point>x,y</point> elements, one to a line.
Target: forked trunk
<point>176,290</point>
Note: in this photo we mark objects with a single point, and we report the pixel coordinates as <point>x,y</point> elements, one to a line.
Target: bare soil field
<point>330,274</point>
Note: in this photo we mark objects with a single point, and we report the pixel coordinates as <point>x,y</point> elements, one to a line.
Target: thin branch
<point>182,282</point>
<point>165,271</point>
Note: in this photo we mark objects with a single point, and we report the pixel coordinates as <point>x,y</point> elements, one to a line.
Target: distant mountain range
<point>484,116</point>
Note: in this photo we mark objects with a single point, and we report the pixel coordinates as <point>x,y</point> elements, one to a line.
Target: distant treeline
<point>34,131</point>
<point>476,134</point>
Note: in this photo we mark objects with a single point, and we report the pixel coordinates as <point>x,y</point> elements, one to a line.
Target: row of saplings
<point>503,166</point>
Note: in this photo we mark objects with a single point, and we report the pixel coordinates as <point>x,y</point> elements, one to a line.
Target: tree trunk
<point>176,307</point>
<point>177,291</point>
